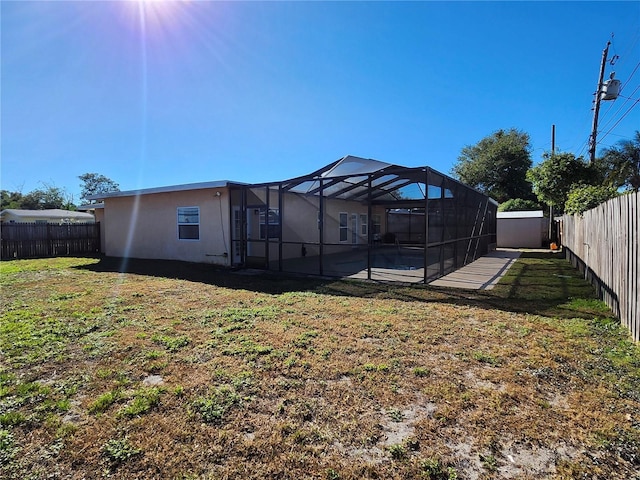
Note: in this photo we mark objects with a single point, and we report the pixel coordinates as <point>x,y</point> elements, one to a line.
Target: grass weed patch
<point>142,402</point>
<point>271,377</point>
<point>214,406</point>
<point>104,401</point>
<point>119,450</point>
<point>172,344</point>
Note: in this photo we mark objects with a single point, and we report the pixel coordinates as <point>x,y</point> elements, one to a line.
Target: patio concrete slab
<point>483,274</point>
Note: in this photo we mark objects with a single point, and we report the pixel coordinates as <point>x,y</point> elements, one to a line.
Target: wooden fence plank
<point>603,243</point>
<point>33,240</point>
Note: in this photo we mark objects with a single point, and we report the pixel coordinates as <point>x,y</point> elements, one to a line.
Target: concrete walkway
<point>482,274</point>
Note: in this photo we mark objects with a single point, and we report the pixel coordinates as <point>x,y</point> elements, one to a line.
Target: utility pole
<point>596,110</point>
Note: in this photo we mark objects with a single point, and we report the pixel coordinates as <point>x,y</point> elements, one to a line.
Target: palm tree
<point>623,164</point>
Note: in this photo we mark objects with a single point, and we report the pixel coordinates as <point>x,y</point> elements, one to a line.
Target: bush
<point>518,205</point>
<point>586,197</point>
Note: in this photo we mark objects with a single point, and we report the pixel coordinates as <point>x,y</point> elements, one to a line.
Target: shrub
<point>518,205</point>
<point>586,197</point>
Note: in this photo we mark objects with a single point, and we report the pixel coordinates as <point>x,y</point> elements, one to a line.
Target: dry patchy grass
<point>164,370</point>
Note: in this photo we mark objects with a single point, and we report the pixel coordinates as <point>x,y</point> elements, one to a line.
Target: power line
<point>621,90</point>
<point>606,124</point>
<point>620,119</point>
<point>586,144</point>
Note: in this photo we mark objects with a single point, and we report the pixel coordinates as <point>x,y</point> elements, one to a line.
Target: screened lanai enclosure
<point>362,218</point>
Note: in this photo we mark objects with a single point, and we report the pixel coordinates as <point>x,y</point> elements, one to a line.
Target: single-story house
<point>56,215</point>
<point>334,221</point>
<point>522,229</point>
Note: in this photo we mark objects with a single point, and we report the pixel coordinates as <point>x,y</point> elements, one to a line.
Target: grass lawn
<point>180,371</point>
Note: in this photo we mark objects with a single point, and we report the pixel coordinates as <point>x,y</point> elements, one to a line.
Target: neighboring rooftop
<point>53,214</point>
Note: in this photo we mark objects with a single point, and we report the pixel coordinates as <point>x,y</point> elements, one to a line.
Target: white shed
<point>522,229</point>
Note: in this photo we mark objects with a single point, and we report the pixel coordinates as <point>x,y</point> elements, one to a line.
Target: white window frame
<point>376,220</point>
<point>182,217</point>
<point>364,225</point>
<point>262,223</point>
<point>343,227</point>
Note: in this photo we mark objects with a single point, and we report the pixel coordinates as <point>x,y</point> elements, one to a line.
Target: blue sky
<point>163,93</point>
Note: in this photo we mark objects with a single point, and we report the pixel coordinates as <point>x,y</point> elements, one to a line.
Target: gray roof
<point>91,206</point>
<point>55,213</point>
<point>521,214</point>
<point>169,188</point>
<point>348,178</point>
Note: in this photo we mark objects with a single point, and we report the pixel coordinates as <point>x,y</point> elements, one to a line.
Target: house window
<point>377,222</point>
<point>364,226</point>
<point>274,223</point>
<point>344,226</point>
<point>189,223</point>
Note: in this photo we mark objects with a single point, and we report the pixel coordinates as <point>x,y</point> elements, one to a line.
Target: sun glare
<point>156,14</point>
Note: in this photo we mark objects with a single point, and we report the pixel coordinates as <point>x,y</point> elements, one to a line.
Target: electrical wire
<point>615,115</point>
<point>620,119</point>
<point>585,145</point>
<point>624,103</point>
<point>606,124</point>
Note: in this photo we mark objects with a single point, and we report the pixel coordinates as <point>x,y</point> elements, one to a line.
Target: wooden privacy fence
<point>32,240</point>
<point>603,244</point>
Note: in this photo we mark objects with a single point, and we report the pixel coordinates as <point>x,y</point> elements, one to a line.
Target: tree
<point>623,164</point>
<point>10,199</point>
<point>518,204</point>
<point>94,184</point>
<point>586,197</point>
<point>557,175</point>
<point>497,165</point>
<point>47,197</point>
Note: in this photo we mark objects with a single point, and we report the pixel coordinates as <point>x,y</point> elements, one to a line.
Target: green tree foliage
<point>557,175</point>
<point>586,197</point>
<point>10,199</point>
<point>497,165</point>
<point>623,164</point>
<point>518,205</point>
<point>95,183</point>
<point>47,197</point>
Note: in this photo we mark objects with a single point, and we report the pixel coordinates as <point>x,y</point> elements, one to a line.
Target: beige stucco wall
<point>147,226</point>
<point>153,232</point>
<point>300,224</point>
